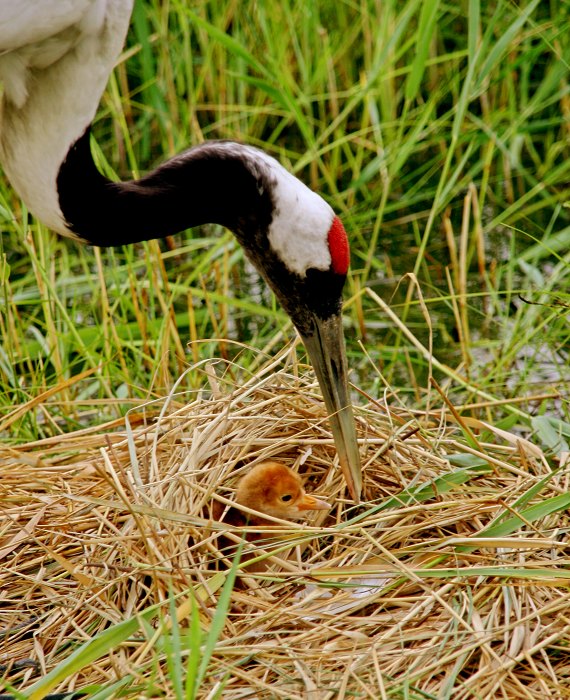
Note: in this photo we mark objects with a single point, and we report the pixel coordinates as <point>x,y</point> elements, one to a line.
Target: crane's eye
<point>286,498</point>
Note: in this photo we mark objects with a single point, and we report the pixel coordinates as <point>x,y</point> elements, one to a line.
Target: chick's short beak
<point>312,503</point>
<point>326,350</point>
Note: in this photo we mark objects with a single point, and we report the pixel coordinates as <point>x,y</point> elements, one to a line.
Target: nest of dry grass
<point>444,582</point>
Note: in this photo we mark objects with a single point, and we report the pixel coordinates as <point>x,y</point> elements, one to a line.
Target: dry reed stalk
<point>411,589</point>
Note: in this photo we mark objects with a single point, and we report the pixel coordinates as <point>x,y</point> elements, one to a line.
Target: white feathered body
<point>55,60</point>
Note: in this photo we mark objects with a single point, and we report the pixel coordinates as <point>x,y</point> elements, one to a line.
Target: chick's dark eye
<point>286,498</point>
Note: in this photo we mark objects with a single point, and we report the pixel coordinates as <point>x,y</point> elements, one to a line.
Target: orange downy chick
<point>272,489</point>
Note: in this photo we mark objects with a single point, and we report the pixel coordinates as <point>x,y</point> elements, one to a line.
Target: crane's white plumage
<point>53,76</point>
<point>36,34</point>
<point>301,219</point>
<point>301,210</point>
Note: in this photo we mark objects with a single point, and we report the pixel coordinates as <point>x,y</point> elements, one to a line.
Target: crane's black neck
<point>217,182</point>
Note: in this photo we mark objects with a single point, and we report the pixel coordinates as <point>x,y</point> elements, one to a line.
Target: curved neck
<point>217,182</point>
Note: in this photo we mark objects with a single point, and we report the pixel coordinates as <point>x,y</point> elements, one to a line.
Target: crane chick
<point>274,489</point>
<point>271,489</point>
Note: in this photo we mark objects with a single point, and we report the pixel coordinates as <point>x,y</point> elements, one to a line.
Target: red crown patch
<point>338,247</point>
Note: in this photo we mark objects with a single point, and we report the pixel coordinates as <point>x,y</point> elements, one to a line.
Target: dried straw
<point>417,590</point>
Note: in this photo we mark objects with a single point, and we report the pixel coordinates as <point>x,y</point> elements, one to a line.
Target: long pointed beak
<point>328,357</point>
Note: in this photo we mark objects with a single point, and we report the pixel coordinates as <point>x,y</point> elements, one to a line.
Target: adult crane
<point>55,59</point>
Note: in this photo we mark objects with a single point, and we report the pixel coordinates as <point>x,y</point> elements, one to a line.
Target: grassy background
<point>439,132</point>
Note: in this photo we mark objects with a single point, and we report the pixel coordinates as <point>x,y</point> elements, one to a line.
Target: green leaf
<point>90,651</point>
<point>556,504</point>
<point>500,46</point>
<point>425,492</point>
<point>219,619</point>
<point>228,42</point>
<point>423,39</point>
<point>550,431</point>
